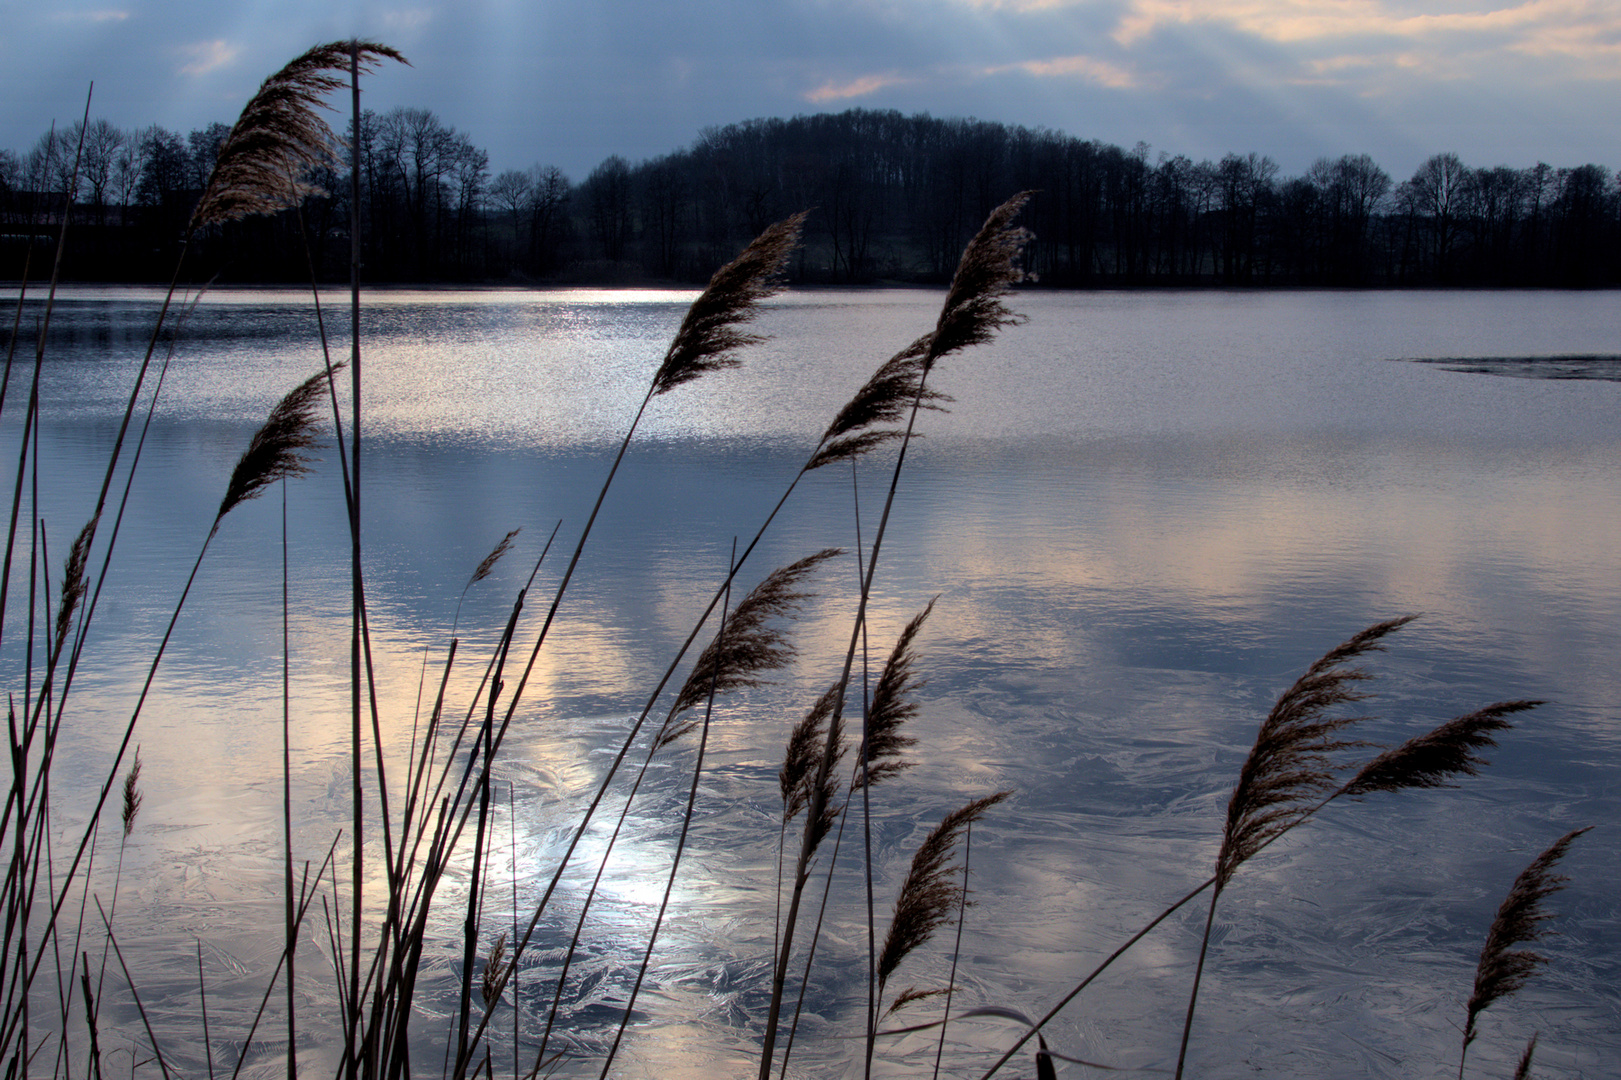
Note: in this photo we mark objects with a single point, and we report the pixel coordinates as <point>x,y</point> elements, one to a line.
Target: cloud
<point>1292,21</point>
<point>203,57</point>
<point>1021,6</point>
<point>406,20</point>
<point>1086,68</point>
<point>866,84</point>
<point>100,16</point>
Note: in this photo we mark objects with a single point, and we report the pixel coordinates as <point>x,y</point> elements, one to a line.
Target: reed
<point>1504,969</point>
<point>439,825</point>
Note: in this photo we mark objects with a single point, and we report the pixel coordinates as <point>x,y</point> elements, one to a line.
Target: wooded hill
<point>894,199</point>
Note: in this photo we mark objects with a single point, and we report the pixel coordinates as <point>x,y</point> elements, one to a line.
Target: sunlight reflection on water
<point>1144,515</point>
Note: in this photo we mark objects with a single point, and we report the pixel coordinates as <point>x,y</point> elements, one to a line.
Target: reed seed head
<point>747,645</point>
<point>276,450</point>
<point>1431,759</point>
<point>973,311</point>
<point>495,972</point>
<point>709,335</point>
<point>281,135</point>
<point>73,583</point>
<point>804,753</point>
<point>894,702</point>
<point>931,894</point>
<point>132,793</point>
<point>911,996</point>
<point>483,569</point>
<point>883,399</point>
<point>823,786</point>
<point>1523,1070</point>
<point>1290,766</point>
<point>1503,969</point>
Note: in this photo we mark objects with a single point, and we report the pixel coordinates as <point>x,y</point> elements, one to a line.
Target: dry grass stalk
<point>883,399</point>
<point>73,583</point>
<point>930,894</point>
<point>483,569</point>
<point>747,645</point>
<point>911,996</point>
<point>132,794</point>
<point>1523,1070</point>
<point>893,703</point>
<point>280,136</point>
<point>275,452</point>
<point>1503,969</point>
<point>1287,773</point>
<point>803,752</point>
<point>973,311</point>
<point>1290,766</point>
<point>709,334</point>
<point>495,971</point>
<point>821,787</point>
<point>1431,759</point>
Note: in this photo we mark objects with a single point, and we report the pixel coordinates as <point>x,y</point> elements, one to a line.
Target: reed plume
<point>276,449</point>
<point>885,398</point>
<point>483,569</point>
<point>911,996</point>
<point>747,646</point>
<point>1290,766</point>
<point>1522,1071</point>
<point>495,972</point>
<point>973,310</point>
<point>803,752</point>
<point>73,584</point>
<point>709,334</point>
<point>893,703</point>
<point>930,893</point>
<point>1431,759</point>
<point>1503,969</point>
<point>280,135</point>
<point>132,794</point>
<point>1288,772</point>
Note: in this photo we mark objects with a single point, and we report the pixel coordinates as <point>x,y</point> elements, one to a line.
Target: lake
<point>1144,515</point>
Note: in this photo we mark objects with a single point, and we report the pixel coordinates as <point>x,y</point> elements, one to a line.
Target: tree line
<point>895,198</point>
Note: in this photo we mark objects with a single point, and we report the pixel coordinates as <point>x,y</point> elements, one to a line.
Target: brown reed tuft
<point>804,753</point>
<point>747,646</point>
<point>73,584</point>
<point>483,569</point>
<point>911,996</point>
<point>893,703</point>
<point>1523,1070</point>
<point>883,399</point>
<point>1289,768</point>
<point>709,334</point>
<point>275,452</point>
<point>280,136</point>
<point>973,311</point>
<point>495,971</point>
<point>132,793</point>
<point>930,895</point>
<point>1503,969</point>
<point>827,795</point>
<point>1431,759</point>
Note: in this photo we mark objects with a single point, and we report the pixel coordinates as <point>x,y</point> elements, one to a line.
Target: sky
<point>570,82</point>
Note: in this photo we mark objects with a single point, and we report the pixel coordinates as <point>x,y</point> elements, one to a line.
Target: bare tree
<point>608,201</point>
<point>548,206</point>
<point>1437,188</point>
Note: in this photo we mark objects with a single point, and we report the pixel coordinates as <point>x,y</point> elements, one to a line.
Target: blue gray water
<point>1144,515</point>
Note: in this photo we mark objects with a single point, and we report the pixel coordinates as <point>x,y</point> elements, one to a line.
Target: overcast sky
<point>568,82</point>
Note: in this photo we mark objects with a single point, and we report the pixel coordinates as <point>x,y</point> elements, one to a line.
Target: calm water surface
<point>1144,515</point>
